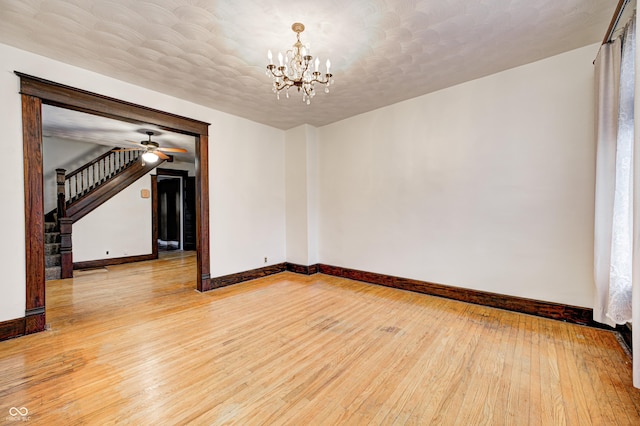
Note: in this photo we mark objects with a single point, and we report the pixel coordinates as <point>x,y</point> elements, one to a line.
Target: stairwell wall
<point>120,227</point>
<point>246,174</point>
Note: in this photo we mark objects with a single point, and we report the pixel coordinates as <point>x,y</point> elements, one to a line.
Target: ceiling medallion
<point>294,70</point>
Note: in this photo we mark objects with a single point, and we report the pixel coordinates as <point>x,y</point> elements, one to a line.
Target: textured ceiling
<point>213,52</point>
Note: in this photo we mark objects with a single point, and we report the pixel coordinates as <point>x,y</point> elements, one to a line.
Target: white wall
<point>247,197</point>
<point>120,227</point>
<point>246,174</point>
<point>487,185</point>
<point>296,199</point>
<point>301,182</point>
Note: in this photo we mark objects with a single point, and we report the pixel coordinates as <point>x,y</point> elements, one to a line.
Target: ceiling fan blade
<point>138,144</point>
<point>172,149</point>
<point>128,149</point>
<point>161,155</point>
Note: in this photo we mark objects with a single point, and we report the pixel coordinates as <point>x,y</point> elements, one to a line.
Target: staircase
<point>52,258</point>
<point>79,193</point>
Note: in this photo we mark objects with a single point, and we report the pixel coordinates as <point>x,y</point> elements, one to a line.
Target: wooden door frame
<point>171,173</point>
<point>37,91</point>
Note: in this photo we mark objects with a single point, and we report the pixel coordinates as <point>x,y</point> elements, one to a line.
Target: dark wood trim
<point>57,94</point>
<point>253,274</point>
<point>302,269</point>
<point>12,328</point>
<point>36,91</point>
<point>92,264</point>
<point>33,205</point>
<point>558,311</point>
<point>202,213</point>
<point>34,321</point>
<point>172,172</point>
<point>66,247</point>
<point>154,216</point>
<point>61,208</point>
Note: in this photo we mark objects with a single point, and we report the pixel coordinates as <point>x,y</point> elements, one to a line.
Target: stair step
<point>51,237</point>
<point>53,273</point>
<point>52,260</point>
<point>49,226</point>
<point>51,248</point>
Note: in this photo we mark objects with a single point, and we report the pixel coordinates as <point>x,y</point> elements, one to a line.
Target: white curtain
<point>617,210</point>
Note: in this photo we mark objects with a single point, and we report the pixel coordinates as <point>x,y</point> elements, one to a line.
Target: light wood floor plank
<point>136,344</point>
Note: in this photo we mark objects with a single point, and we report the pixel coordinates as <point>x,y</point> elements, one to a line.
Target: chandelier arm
<point>273,70</point>
<point>317,80</point>
<point>284,85</point>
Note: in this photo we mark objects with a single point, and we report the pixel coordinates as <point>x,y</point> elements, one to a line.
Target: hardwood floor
<point>136,344</point>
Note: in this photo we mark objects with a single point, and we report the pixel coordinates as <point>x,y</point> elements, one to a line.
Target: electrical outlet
<point>265,259</point>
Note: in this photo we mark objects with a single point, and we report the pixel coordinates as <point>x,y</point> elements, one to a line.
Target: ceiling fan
<point>152,150</point>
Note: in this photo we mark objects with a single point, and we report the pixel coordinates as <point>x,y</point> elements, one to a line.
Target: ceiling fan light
<point>149,157</point>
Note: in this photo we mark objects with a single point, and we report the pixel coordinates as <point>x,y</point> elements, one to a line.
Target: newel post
<point>61,193</point>
<point>66,253</point>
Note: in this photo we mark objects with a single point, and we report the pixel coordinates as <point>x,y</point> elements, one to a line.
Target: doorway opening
<point>176,195</point>
<point>34,93</point>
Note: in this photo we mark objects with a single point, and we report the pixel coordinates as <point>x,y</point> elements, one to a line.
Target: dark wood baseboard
<point>302,269</point>
<point>90,264</point>
<point>12,328</point>
<point>557,311</point>
<point>626,334</point>
<point>253,274</point>
<point>34,322</point>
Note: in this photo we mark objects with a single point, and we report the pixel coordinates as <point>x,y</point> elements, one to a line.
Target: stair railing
<point>84,179</point>
<point>73,186</point>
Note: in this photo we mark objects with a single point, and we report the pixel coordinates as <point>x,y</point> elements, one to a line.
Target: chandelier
<point>294,70</point>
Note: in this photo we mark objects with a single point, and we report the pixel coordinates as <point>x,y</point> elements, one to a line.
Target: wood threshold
<point>90,264</point>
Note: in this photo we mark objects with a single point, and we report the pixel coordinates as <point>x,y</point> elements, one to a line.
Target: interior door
<point>189,220</point>
<point>169,212</point>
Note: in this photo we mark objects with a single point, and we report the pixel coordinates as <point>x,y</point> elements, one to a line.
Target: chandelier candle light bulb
<point>296,70</point>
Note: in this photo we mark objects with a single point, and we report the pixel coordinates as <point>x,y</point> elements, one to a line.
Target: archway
<point>35,92</point>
